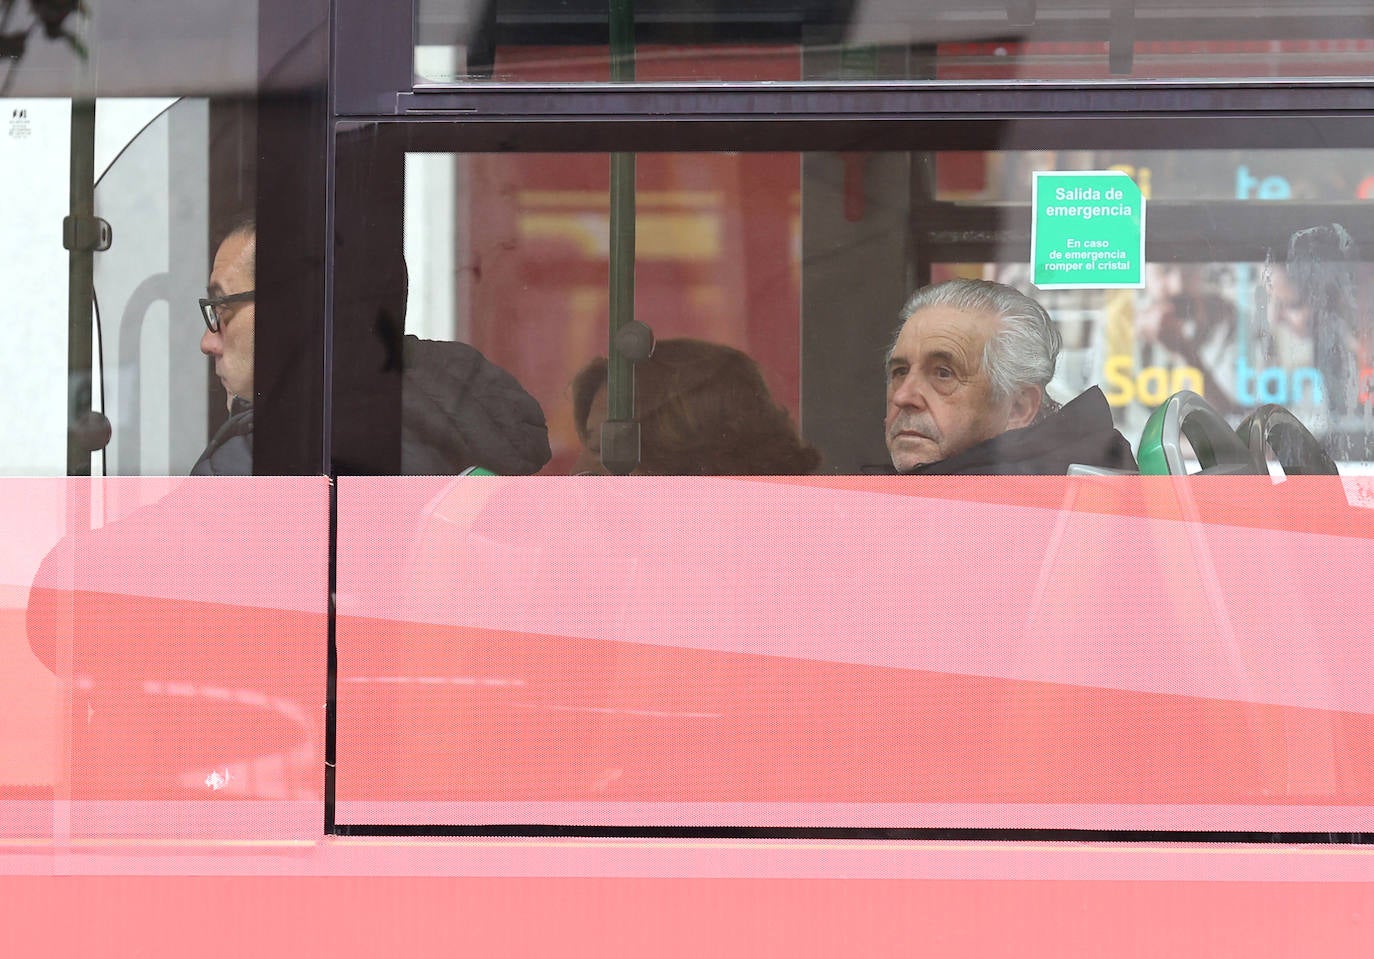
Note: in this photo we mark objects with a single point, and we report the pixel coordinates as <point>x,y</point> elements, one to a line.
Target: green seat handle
<point>1216,445</point>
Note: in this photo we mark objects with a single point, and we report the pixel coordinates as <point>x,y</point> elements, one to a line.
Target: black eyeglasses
<point>210,309</point>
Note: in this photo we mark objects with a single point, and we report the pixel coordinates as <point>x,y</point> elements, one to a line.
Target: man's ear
<point>1025,404</point>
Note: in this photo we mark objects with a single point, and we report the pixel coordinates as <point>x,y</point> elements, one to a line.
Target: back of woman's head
<point>703,409</point>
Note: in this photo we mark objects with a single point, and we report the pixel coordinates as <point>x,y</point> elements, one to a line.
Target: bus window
<point>156,388</point>
<point>510,255</point>
<point>1251,291</point>
<point>858,649</point>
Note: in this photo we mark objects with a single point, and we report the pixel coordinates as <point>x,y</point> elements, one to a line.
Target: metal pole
<point>80,284</point>
<point>620,434</point>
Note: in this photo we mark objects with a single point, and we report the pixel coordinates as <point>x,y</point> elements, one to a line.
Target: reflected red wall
<point>1132,653</point>
<point>173,648</point>
<point>717,254</point>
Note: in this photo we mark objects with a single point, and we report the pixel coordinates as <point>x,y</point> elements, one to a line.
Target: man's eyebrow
<point>214,289</point>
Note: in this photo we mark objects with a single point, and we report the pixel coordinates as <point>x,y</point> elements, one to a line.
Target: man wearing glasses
<point>228,313</point>
<point>459,411</point>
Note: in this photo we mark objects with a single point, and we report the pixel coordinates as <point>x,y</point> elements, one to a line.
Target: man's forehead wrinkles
<point>949,349</point>
<point>952,342</point>
<point>947,337</point>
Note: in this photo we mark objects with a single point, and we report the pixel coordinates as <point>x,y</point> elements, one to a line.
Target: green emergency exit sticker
<point>1087,231</point>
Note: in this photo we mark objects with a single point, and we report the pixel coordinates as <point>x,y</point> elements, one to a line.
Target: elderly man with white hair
<point>966,379</point>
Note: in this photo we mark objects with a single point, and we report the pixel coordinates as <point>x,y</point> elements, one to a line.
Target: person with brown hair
<point>703,409</point>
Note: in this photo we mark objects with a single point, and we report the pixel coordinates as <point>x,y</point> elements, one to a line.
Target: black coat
<point>458,410</point>
<point>230,451</point>
<point>1081,432</point>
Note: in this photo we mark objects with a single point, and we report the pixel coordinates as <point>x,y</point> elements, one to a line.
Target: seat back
<point>1217,447</point>
<point>1298,451</point>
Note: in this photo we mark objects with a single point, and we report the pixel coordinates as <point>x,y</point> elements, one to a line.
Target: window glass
<point>688,652</point>
<point>163,192</point>
<point>141,129</point>
<point>155,385</point>
<point>128,150</point>
<point>466,40</point>
<point>836,644</point>
<point>162,642</point>
<point>517,254</point>
<point>33,267</point>
<point>1243,249</point>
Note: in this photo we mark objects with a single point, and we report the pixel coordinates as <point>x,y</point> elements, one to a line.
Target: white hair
<point>1025,348</point>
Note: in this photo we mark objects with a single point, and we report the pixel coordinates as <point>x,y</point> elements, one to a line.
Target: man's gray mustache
<point>915,423</point>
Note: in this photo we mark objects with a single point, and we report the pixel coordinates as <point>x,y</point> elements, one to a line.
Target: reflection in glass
<point>1081,40</point>
<point>1255,288</point>
<point>155,196</point>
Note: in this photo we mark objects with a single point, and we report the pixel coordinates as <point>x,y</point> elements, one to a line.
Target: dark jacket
<point>230,451</point>
<point>458,410</point>
<point>1081,432</point>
